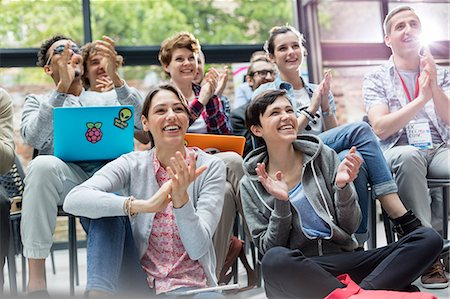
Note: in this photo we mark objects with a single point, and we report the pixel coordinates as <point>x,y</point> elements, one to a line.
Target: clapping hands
<point>348,169</point>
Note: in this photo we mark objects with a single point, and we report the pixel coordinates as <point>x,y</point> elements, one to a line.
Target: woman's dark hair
<point>269,46</point>
<point>259,105</point>
<point>152,93</point>
<point>42,53</point>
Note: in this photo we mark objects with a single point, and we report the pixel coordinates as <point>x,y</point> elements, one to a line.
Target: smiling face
<point>183,66</point>
<point>404,33</point>
<point>288,52</point>
<point>75,60</point>
<point>278,123</point>
<point>261,72</point>
<point>94,70</point>
<point>167,119</point>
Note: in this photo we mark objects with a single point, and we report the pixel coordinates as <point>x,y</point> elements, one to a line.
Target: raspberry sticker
<point>94,134</point>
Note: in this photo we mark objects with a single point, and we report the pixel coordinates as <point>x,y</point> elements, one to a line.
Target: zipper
<point>319,247</point>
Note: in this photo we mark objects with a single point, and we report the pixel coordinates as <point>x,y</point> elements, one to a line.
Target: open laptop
<point>93,133</point>
<point>211,143</point>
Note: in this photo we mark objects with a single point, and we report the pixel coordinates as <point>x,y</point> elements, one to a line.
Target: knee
<point>275,262</point>
<point>42,167</point>
<point>363,128</point>
<point>233,162</point>
<point>430,239</point>
<point>107,225</point>
<point>409,158</point>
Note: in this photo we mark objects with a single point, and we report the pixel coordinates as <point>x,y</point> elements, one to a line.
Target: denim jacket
<point>280,84</point>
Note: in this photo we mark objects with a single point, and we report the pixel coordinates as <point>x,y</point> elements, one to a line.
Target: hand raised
<point>207,90</point>
<point>104,84</point>
<point>222,82</point>
<point>277,187</point>
<point>348,169</point>
<point>182,175</point>
<point>106,48</point>
<point>66,70</point>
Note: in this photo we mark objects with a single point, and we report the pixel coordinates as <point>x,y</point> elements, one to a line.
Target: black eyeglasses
<point>263,73</point>
<point>59,49</point>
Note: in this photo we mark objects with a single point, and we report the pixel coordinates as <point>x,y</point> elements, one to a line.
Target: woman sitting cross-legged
<point>158,233</point>
<point>302,211</point>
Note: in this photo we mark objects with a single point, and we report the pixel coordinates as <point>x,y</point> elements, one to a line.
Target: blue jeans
<point>375,171</point>
<point>113,264</point>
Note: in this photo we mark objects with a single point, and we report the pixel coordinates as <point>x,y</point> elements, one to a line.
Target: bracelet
<point>127,206</point>
<point>308,116</point>
<point>327,113</point>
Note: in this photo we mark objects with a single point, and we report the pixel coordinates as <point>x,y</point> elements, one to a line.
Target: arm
<point>267,231</point>
<point>198,223</point>
<point>37,118</point>
<point>95,198</point>
<point>348,212</point>
<point>6,132</point>
<point>125,94</point>
<point>441,99</point>
<point>384,122</point>
<point>216,120</point>
<point>321,98</point>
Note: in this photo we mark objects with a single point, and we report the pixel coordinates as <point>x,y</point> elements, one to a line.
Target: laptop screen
<point>93,133</point>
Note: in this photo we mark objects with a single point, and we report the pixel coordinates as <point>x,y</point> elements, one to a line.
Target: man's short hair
<point>387,24</point>
<point>250,70</point>
<point>42,53</point>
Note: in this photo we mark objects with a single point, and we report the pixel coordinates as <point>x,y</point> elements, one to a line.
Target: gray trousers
<point>232,205</point>
<point>411,167</point>
<point>47,183</point>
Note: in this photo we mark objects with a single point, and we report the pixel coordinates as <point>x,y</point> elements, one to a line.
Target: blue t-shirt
<point>312,224</point>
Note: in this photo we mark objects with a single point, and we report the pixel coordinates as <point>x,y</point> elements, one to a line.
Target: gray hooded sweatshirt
<point>273,222</point>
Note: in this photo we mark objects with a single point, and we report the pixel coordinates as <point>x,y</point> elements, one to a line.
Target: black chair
<point>13,184</point>
<point>390,236</point>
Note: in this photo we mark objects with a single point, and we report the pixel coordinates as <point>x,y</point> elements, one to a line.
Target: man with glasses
<point>49,179</point>
<point>259,72</point>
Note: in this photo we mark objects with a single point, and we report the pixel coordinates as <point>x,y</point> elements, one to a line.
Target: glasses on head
<point>59,49</point>
<point>263,73</point>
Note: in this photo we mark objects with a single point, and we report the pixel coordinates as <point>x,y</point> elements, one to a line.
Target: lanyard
<point>416,89</point>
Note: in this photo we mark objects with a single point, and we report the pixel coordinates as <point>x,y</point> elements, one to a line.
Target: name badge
<point>419,134</point>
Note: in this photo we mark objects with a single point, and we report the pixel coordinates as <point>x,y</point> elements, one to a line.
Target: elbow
<point>380,131</point>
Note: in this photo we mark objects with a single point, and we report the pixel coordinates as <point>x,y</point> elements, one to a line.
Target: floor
<point>58,283</point>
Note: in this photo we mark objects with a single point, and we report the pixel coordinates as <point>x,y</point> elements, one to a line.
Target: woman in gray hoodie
<point>302,210</point>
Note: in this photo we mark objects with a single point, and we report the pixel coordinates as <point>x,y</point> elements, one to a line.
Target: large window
<point>26,23</point>
<point>149,22</point>
<point>350,21</point>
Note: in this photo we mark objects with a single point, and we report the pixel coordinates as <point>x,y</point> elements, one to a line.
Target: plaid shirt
<point>213,114</point>
<point>383,87</point>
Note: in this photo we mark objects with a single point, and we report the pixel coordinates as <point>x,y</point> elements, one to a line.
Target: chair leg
<point>390,237</point>
<point>24,272</point>
<point>12,264</point>
<point>372,221</point>
<point>52,257</point>
<point>445,199</point>
<point>72,239</point>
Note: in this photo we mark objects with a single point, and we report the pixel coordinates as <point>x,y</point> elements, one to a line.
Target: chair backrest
<point>12,182</point>
<point>216,143</point>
